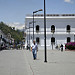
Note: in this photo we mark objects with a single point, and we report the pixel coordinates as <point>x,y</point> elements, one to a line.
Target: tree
<point>16,34</point>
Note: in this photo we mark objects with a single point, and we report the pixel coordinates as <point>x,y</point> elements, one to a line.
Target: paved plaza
<point>20,62</point>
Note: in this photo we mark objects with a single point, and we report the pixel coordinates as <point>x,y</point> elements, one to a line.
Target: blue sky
<point>14,11</point>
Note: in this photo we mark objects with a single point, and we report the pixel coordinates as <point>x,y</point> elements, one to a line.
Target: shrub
<point>70,45</point>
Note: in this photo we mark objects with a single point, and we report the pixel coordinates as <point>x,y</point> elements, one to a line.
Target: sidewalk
<point>12,62</point>
<point>20,62</point>
<point>59,63</point>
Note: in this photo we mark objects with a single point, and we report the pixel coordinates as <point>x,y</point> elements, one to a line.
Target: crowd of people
<point>7,46</point>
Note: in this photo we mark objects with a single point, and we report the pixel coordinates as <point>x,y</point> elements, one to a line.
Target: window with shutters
<point>68,28</point>
<point>68,39</point>
<point>52,28</point>
<point>37,40</point>
<point>37,28</point>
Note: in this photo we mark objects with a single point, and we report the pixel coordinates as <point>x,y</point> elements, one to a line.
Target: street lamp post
<point>33,25</point>
<point>45,32</point>
<point>33,20</point>
<point>29,33</point>
<point>27,38</point>
<point>74,37</point>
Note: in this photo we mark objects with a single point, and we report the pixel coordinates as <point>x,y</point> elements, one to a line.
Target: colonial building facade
<point>60,29</point>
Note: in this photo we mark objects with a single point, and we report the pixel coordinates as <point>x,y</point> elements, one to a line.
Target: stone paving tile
<point>20,62</point>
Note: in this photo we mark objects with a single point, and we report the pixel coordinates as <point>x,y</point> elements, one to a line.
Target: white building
<point>2,35</point>
<point>60,29</point>
<point>6,38</point>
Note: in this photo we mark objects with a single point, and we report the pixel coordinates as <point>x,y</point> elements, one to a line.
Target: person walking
<point>34,49</point>
<point>61,47</point>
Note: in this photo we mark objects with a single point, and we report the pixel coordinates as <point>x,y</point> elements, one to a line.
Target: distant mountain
<point>16,34</point>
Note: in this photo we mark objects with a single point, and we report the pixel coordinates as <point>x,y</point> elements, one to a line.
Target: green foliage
<point>16,34</point>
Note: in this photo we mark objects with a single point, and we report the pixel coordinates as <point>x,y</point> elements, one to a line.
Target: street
<point>20,62</point>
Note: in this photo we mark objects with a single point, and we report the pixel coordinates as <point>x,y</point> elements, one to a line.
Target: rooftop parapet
<point>51,15</point>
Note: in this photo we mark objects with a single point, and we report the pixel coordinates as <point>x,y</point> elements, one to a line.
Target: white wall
<point>60,30</point>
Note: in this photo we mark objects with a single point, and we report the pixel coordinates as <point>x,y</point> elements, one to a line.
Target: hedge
<point>70,46</point>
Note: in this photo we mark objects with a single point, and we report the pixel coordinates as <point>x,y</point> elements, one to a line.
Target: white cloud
<point>17,25</point>
<point>68,1</point>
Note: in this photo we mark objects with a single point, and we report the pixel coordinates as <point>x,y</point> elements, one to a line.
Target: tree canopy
<point>16,34</point>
